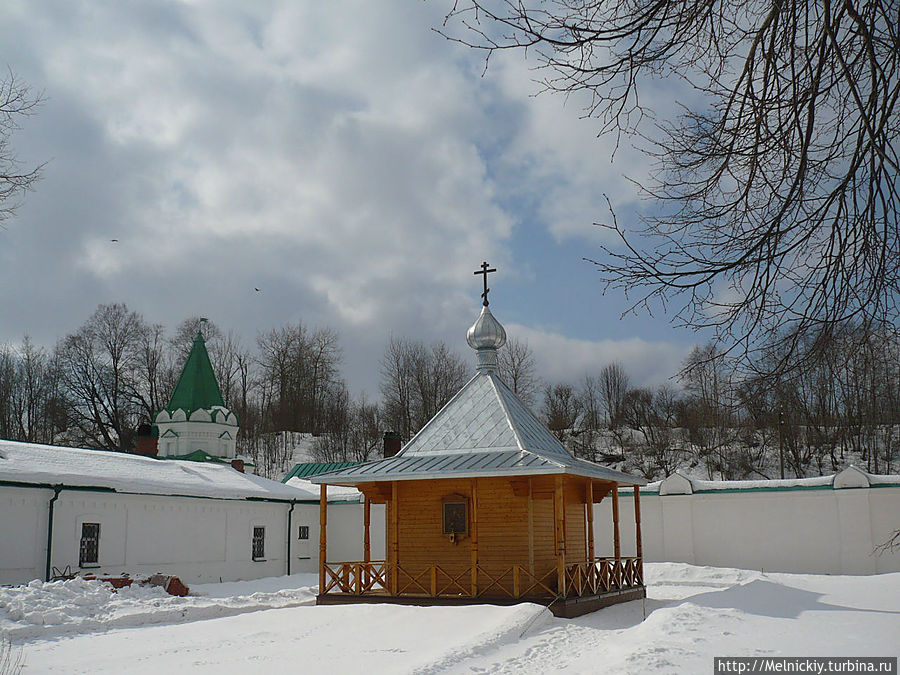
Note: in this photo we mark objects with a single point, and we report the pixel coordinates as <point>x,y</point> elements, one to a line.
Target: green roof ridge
<point>197,387</point>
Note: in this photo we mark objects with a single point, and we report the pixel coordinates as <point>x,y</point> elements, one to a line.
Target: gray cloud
<point>340,156</point>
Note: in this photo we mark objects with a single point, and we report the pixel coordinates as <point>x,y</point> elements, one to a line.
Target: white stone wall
<point>344,536</point>
<point>815,531</point>
<point>198,540</point>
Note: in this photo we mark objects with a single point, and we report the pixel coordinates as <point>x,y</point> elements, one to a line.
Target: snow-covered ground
<point>45,610</point>
<point>692,615</point>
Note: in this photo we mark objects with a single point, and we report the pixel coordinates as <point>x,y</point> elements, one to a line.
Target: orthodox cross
<point>484,272</point>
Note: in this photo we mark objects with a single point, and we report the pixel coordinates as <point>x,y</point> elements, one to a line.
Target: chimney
<point>237,465</point>
<point>392,443</point>
<point>147,440</point>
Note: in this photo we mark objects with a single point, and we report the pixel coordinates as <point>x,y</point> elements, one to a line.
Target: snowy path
<point>693,614</point>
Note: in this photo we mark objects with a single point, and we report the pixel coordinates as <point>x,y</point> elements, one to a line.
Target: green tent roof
<point>308,469</point>
<point>197,387</point>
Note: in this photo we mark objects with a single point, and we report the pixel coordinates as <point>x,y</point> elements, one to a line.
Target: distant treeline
<point>99,383</point>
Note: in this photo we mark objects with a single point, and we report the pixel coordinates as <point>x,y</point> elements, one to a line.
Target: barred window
<point>259,543</point>
<point>303,532</point>
<point>89,550</point>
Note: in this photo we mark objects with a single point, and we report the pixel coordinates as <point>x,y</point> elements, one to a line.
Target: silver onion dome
<point>486,332</point>
<point>486,336</point>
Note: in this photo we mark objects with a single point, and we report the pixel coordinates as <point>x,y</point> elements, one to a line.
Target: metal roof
<point>307,469</point>
<point>485,430</point>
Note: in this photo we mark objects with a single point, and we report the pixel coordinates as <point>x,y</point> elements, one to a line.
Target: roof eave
<point>352,481</point>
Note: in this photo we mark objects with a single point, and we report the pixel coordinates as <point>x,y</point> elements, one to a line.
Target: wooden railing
<point>356,578</point>
<point>603,575</point>
<point>434,581</point>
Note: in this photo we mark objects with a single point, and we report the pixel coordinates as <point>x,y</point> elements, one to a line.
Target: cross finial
<point>484,271</point>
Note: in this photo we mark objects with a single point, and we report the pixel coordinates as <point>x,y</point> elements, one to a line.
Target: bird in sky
<point>114,241</point>
<point>256,289</point>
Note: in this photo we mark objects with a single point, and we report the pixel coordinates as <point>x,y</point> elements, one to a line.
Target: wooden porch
<point>604,580</point>
<point>567,577</point>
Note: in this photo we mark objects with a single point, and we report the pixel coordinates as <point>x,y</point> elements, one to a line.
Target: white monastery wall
<point>816,531</point>
<point>344,534</point>
<point>198,540</point>
<point>23,531</point>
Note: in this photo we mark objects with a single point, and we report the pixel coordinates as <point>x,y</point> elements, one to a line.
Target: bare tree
<point>777,185</point>
<point>416,382</point>
<point>590,425</point>
<point>100,363</point>
<point>155,379</point>
<point>710,383</point>
<point>439,373</point>
<point>353,430</point>
<point>298,372</point>
<point>16,101</point>
<point>614,384</point>
<point>9,382</point>
<point>333,445</point>
<point>397,385</point>
<point>36,397</point>
<point>652,412</point>
<point>518,370</point>
<point>561,410</point>
<point>366,430</point>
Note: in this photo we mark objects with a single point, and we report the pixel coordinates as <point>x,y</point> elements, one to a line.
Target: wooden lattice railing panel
<point>581,578</point>
<point>602,575</point>
<point>357,578</point>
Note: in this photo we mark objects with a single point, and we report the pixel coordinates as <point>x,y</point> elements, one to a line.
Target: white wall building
<point>823,525</point>
<point>108,513</point>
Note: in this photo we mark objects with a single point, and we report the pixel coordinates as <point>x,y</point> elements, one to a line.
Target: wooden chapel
<point>485,505</point>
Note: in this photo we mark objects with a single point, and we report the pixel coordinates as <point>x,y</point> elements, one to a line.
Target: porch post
<point>367,521</point>
<point>530,528</point>
<point>559,513</point>
<point>395,540</point>
<point>637,532</point>
<point>474,537</point>
<point>590,520</point>
<point>323,528</point>
<point>615,504</point>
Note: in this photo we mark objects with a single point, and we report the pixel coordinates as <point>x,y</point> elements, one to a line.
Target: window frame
<point>84,545</point>
<point>303,533</point>
<point>258,555</point>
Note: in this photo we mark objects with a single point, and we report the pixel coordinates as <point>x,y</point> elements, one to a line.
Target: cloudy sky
<point>340,156</point>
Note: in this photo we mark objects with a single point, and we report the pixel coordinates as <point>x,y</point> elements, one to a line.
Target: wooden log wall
<point>515,525</point>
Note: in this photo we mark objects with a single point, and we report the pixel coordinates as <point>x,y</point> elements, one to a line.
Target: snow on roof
<point>883,479</point>
<point>816,481</point>
<point>680,483</point>
<point>73,467</point>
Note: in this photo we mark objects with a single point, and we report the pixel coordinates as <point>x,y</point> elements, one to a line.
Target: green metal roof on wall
<point>197,387</point>
<point>199,456</point>
<point>308,469</point>
<point>203,456</point>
